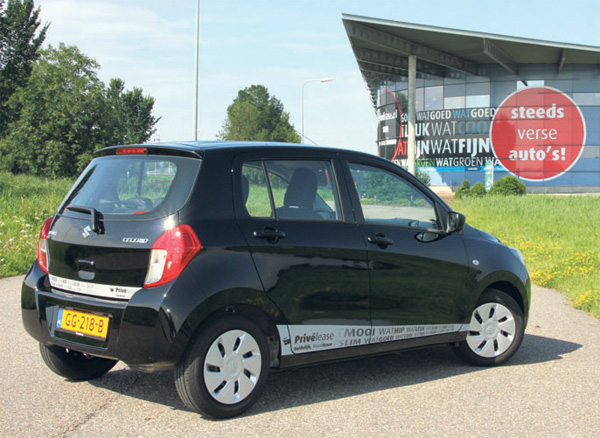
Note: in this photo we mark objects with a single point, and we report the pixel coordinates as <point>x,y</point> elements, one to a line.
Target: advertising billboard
<point>538,133</point>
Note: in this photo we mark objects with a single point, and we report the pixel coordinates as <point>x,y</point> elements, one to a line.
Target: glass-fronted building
<point>514,106</point>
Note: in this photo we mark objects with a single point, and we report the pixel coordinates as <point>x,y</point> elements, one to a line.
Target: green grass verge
<point>559,237</point>
<point>25,203</point>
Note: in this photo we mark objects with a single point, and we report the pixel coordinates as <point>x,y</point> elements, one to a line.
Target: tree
<point>20,41</point>
<point>255,115</point>
<point>128,115</point>
<point>66,113</point>
<point>59,113</point>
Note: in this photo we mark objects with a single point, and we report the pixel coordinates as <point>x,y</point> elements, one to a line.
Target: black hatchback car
<point>225,260</point>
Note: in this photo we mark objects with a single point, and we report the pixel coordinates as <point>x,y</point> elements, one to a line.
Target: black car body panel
<point>495,265</point>
<point>338,286</point>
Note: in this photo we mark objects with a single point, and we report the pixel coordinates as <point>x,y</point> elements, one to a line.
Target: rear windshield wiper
<point>95,216</point>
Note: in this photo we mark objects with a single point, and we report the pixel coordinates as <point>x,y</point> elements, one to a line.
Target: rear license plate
<point>82,324</point>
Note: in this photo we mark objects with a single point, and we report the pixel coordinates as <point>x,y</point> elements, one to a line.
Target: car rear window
<point>134,187</point>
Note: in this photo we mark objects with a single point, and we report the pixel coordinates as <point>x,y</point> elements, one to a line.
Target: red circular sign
<point>538,133</point>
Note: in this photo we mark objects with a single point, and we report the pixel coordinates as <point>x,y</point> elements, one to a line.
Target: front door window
<point>386,198</point>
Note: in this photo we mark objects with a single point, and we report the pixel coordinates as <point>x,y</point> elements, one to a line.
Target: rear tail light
<point>170,254</point>
<point>42,252</point>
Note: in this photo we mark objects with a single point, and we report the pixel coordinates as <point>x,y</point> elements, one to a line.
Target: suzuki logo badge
<point>86,232</point>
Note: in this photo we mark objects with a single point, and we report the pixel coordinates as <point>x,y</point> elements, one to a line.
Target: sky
<point>150,44</point>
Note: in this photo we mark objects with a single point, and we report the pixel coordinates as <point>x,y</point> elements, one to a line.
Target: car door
<point>417,271</point>
<point>307,248</point>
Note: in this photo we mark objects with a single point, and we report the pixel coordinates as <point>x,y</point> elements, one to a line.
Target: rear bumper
<point>141,332</point>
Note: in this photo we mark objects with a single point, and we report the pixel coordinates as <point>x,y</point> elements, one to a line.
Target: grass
<point>259,204</point>
<point>25,203</point>
<point>558,236</point>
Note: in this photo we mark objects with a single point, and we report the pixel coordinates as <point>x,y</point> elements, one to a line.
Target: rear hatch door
<point>100,240</point>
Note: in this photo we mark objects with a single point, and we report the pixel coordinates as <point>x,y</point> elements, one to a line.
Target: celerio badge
<point>135,240</point>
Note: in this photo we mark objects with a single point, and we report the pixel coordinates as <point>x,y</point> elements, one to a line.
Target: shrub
<point>509,185</point>
<point>463,190</point>
<point>478,189</point>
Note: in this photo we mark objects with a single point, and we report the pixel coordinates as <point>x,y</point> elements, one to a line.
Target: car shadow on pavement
<point>326,382</point>
<point>538,349</point>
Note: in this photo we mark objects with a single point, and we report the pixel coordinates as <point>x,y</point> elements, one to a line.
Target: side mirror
<point>456,222</point>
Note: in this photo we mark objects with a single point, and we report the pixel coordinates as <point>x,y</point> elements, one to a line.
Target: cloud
<point>113,23</point>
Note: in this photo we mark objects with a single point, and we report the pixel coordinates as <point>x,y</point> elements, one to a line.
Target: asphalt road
<point>549,389</point>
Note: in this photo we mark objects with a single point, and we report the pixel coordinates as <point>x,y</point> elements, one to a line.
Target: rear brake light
<point>121,151</point>
<point>42,252</point>
<point>170,254</point>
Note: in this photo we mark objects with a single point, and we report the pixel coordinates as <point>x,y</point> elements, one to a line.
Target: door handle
<point>269,233</point>
<point>380,240</point>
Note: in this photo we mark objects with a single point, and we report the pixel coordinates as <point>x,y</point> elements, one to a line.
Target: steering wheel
<point>135,202</point>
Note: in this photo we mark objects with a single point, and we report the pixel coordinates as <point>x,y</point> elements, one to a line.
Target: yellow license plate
<point>83,324</point>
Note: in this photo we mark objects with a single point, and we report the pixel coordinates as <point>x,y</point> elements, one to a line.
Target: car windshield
<point>140,186</point>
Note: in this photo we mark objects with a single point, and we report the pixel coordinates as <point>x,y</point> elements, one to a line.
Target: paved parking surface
<point>550,388</point>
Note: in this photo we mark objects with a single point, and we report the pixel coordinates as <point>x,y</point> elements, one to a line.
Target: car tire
<point>496,330</point>
<point>225,368</point>
<point>74,365</point>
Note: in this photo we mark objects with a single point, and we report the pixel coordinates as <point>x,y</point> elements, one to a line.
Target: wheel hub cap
<point>492,330</point>
<point>232,367</point>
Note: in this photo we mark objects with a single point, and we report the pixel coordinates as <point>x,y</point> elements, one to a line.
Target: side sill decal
<point>310,338</point>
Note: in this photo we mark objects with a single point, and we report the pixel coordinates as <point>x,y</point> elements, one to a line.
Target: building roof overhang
<point>382,47</point>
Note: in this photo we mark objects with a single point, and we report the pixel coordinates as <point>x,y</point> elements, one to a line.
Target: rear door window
<point>255,190</point>
<point>291,189</point>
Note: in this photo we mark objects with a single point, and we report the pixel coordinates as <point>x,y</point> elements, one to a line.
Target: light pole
<point>306,82</point>
<point>196,73</point>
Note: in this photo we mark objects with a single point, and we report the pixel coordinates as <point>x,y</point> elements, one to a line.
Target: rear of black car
<point>111,253</point>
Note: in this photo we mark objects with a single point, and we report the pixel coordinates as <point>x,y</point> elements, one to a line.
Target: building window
<point>434,98</point>
<point>587,99</point>
<point>478,88</point>
<point>454,102</point>
<point>482,101</point>
<point>419,104</point>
